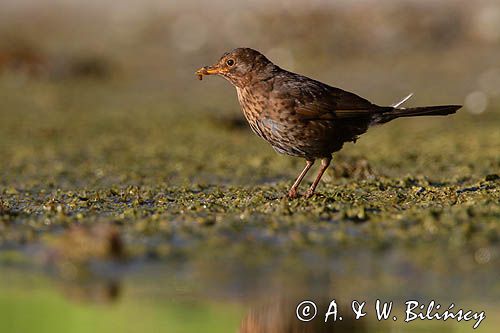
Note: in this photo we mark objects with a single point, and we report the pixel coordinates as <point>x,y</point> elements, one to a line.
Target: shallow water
<point>220,294</point>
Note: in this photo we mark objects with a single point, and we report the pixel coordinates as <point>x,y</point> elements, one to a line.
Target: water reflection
<point>280,316</point>
<point>95,291</point>
<point>222,295</point>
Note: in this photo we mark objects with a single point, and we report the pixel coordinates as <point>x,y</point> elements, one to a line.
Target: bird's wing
<point>314,100</point>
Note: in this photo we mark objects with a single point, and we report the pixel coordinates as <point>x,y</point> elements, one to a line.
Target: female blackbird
<point>300,116</point>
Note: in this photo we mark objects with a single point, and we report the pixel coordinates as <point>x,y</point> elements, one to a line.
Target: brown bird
<point>300,116</point>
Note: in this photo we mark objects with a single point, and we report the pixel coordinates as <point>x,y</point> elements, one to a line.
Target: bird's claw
<point>292,194</point>
<point>309,193</point>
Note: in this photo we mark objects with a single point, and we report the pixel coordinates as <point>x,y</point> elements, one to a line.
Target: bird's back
<point>303,117</point>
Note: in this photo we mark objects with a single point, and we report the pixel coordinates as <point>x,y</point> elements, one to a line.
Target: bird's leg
<point>324,165</point>
<point>292,194</point>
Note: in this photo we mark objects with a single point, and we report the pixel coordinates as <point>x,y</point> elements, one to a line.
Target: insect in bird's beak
<point>207,70</point>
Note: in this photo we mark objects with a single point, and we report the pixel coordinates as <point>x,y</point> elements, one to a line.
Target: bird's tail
<point>439,110</point>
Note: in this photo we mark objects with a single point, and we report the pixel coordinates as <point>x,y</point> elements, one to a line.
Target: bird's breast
<point>252,104</point>
<point>254,107</point>
<point>269,119</point>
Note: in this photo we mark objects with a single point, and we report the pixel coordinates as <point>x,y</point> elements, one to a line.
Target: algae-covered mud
<point>135,198</point>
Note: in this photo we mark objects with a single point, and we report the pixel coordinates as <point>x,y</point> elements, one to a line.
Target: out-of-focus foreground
<point>126,181</point>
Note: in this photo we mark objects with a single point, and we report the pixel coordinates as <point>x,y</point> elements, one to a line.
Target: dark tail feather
<point>440,110</point>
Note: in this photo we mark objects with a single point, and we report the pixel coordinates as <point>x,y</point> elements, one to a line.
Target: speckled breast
<point>275,122</point>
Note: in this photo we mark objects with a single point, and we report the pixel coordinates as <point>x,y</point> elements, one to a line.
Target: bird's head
<point>240,66</point>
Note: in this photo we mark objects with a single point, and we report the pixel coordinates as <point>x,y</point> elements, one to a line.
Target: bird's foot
<point>309,193</point>
<point>292,194</point>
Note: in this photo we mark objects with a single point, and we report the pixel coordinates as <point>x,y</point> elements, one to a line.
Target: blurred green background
<point>135,198</point>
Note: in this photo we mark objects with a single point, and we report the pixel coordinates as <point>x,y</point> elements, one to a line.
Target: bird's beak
<point>207,70</point>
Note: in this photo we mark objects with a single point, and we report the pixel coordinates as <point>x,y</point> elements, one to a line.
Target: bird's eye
<point>230,62</point>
